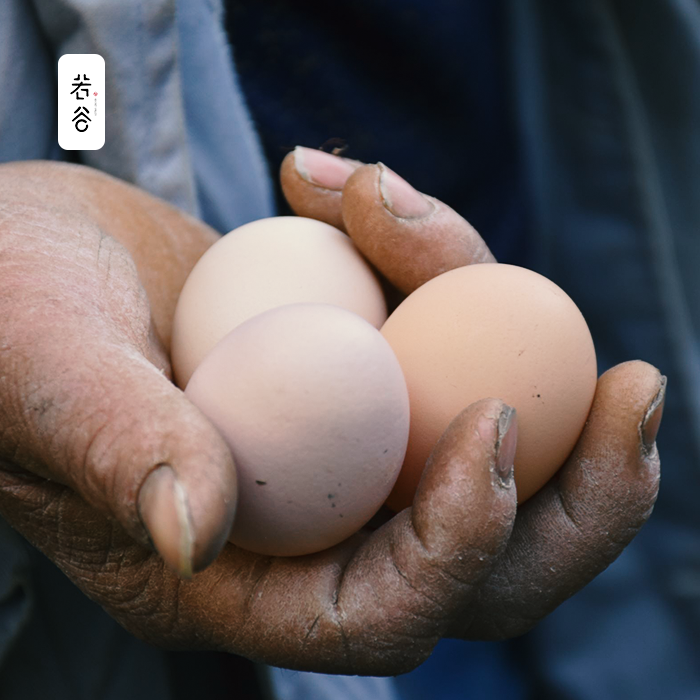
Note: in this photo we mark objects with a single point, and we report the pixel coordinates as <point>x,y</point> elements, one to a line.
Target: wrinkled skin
<point>90,271</point>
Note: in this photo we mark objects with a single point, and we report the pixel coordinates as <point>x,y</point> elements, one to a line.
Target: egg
<point>262,265</point>
<point>313,404</point>
<point>495,331</point>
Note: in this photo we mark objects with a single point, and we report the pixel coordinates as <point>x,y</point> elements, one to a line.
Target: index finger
<point>409,237</point>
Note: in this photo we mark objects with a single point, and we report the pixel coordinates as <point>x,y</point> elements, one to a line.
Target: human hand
<point>87,413</point>
<point>562,538</point>
<point>90,272</point>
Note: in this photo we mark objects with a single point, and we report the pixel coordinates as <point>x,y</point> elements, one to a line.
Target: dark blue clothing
<point>422,85</point>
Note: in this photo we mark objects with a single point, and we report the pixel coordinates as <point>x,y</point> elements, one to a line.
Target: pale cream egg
<point>264,264</point>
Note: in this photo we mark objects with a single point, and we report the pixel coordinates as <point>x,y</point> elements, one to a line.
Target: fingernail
<point>506,443</point>
<point>164,512</point>
<point>652,418</point>
<point>323,169</point>
<point>400,198</point>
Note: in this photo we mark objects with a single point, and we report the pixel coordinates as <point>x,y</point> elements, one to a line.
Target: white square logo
<point>81,102</point>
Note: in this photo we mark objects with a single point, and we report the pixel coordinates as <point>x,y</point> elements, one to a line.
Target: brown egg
<point>496,331</point>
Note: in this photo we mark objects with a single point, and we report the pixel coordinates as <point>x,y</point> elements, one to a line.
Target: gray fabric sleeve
<point>176,121</point>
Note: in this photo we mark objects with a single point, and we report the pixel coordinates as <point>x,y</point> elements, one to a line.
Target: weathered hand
<point>90,270</point>
<point>582,520</point>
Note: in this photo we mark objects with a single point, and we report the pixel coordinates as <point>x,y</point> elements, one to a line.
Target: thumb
<point>102,419</point>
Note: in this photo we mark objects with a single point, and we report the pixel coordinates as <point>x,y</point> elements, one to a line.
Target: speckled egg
<point>495,331</point>
<point>314,407</point>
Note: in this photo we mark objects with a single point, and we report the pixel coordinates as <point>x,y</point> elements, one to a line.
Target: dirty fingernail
<point>162,505</point>
<point>323,169</point>
<point>652,418</point>
<point>400,198</point>
<point>506,443</point>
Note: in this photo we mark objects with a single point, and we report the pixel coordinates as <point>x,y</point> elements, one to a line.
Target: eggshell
<point>264,264</point>
<point>496,331</point>
<point>313,404</point>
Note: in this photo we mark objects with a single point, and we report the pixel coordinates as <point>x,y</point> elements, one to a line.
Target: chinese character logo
<point>81,117</point>
<point>81,101</point>
<point>81,114</point>
<point>79,85</point>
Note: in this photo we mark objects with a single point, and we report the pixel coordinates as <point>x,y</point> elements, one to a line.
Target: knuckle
<point>381,653</point>
<point>129,581</point>
<point>132,585</point>
<point>391,642</point>
<point>136,589</point>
